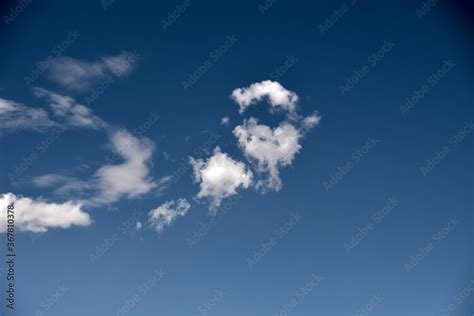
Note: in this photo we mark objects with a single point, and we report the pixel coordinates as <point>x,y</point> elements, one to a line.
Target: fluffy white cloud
<point>220,176</point>
<point>78,75</point>
<point>276,94</point>
<point>131,178</point>
<point>16,116</point>
<point>39,216</point>
<point>167,213</point>
<point>74,114</point>
<point>269,148</point>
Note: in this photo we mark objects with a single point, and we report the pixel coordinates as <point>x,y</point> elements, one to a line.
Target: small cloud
<point>138,226</point>
<point>225,121</point>
<point>274,92</point>
<point>167,213</point>
<point>220,176</point>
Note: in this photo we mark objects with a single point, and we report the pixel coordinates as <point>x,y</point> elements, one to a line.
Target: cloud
<point>220,176</point>
<point>16,116</point>
<point>310,121</point>
<point>39,216</point>
<point>225,121</point>
<point>274,92</point>
<point>167,213</point>
<point>269,148</point>
<point>79,76</point>
<point>131,178</point>
<point>74,114</point>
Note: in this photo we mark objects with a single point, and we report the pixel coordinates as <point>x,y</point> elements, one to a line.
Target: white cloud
<point>220,176</point>
<point>138,225</point>
<point>310,121</point>
<point>74,114</point>
<point>276,94</point>
<point>269,148</point>
<point>132,177</point>
<point>16,116</point>
<point>39,216</point>
<point>225,121</point>
<point>78,75</point>
<point>167,213</point>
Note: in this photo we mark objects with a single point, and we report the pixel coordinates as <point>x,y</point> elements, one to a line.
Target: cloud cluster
<point>39,216</point>
<point>274,92</point>
<point>267,149</point>
<point>167,213</point>
<point>219,177</point>
<point>79,76</point>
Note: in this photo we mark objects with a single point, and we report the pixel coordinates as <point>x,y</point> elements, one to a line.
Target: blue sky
<point>238,158</point>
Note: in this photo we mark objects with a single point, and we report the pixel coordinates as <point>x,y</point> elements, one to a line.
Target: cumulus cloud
<point>16,116</point>
<point>274,92</point>
<point>131,178</point>
<point>79,75</point>
<point>167,213</point>
<point>74,114</point>
<point>220,176</point>
<point>39,216</point>
<point>269,148</point>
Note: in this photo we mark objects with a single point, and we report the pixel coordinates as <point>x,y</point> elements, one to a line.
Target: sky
<point>238,158</point>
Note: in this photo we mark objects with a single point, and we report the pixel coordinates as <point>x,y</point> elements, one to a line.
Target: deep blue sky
<point>330,218</point>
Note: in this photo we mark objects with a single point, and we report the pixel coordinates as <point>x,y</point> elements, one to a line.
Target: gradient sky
<point>366,137</point>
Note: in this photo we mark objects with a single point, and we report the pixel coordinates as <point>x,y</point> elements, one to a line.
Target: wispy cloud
<point>66,108</point>
<point>79,75</point>
<point>16,116</point>
<point>167,213</point>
